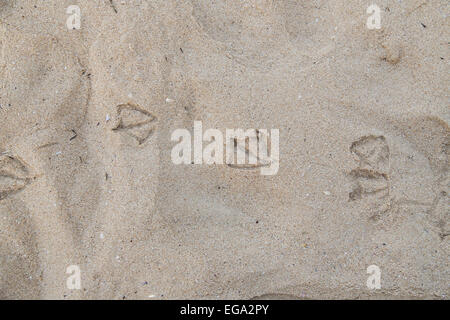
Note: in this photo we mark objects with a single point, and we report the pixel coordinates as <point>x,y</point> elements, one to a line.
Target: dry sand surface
<point>87,178</point>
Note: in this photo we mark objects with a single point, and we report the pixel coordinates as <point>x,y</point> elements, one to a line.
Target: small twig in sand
<point>113,6</point>
<point>75,135</point>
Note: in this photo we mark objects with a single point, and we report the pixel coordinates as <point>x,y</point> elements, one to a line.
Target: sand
<point>87,179</point>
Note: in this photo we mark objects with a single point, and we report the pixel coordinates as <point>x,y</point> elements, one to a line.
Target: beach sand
<point>87,178</point>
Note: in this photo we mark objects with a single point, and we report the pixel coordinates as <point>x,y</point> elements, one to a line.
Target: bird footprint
<point>371,177</point>
<point>14,175</point>
<point>135,122</point>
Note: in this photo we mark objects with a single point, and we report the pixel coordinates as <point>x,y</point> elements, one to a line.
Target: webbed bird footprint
<point>368,183</point>
<point>135,122</point>
<point>14,175</point>
<point>261,140</point>
<point>373,153</point>
<point>371,177</point>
